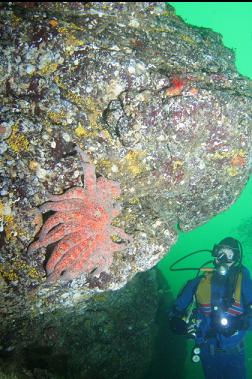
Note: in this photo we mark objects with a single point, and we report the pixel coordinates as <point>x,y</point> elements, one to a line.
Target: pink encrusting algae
<point>81,226</point>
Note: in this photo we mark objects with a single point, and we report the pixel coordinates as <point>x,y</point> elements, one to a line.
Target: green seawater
<point>233,21</point>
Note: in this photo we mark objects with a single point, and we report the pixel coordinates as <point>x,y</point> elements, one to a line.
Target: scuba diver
<point>220,313</point>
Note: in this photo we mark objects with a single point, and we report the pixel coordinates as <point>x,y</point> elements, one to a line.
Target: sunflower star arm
<point>51,237</point>
<point>122,234</point>
<point>116,210</point>
<point>118,246</point>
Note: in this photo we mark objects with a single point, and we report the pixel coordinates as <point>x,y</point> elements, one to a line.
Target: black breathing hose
<point>186,256</point>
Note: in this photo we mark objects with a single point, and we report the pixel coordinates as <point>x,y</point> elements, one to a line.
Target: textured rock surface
<point>115,337</point>
<point>158,107</point>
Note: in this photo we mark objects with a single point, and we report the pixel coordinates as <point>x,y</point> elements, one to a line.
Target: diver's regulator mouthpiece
<point>222,269</point>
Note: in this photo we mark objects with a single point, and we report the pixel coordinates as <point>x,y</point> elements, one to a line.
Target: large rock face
<point>122,334</point>
<point>159,113</point>
<point>114,338</point>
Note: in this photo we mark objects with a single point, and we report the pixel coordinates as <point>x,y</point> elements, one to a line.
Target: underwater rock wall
<point>160,114</point>
<point>115,337</point>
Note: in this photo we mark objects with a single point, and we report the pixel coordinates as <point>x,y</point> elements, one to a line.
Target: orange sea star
<point>176,88</point>
<point>81,226</point>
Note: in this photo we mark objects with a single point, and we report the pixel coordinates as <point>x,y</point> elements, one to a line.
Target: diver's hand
<point>236,324</point>
<point>178,325</point>
<point>242,322</point>
<point>229,332</point>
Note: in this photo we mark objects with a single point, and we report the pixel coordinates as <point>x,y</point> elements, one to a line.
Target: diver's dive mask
<point>224,260</point>
<point>227,253</point>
